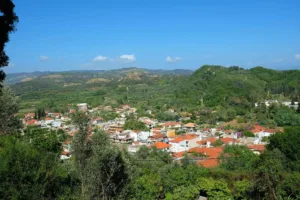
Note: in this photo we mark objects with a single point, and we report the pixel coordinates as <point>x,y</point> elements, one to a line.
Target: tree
<point>44,139</point>
<point>39,113</point>
<point>248,134</point>
<point>214,189</point>
<point>269,167</point>
<point>133,124</point>
<point>8,19</point>
<point>290,186</point>
<point>237,158</point>
<point>28,173</point>
<point>218,143</point>
<point>288,143</point>
<point>82,148</point>
<point>9,122</point>
<point>106,169</point>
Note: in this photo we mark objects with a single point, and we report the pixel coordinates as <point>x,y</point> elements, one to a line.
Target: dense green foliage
<point>27,172</point>
<point>288,144</point>
<point>8,107</point>
<point>39,113</point>
<point>132,124</point>
<point>8,20</point>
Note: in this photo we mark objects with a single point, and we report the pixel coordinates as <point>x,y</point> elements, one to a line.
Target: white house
<point>56,123</point>
<point>82,106</point>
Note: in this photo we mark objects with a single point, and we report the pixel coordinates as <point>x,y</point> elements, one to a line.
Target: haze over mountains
<point>13,78</point>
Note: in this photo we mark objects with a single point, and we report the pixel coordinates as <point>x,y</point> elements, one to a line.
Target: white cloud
<point>297,56</point>
<point>44,58</point>
<point>128,57</point>
<point>100,58</point>
<point>175,59</point>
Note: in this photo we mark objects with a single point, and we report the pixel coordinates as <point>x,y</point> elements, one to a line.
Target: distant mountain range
<point>13,78</point>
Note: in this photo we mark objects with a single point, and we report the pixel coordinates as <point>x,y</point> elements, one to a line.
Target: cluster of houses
<point>178,139</point>
<point>289,104</point>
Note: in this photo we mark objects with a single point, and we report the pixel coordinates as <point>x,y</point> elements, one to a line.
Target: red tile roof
<point>171,124</point>
<point>209,152</point>
<point>177,140</point>
<point>156,129</point>
<point>157,136</point>
<point>190,125</point>
<point>229,140</point>
<point>209,163</point>
<point>257,147</point>
<point>68,142</point>
<point>190,136</point>
<point>65,153</point>
<point>48,118</point>
<point>184,137</point>
<point>211,140</point>
<point>32,122</point>
<point>161,145</point>
<point>271,130</point>
<point>257,129</point>
<point>178,154</point>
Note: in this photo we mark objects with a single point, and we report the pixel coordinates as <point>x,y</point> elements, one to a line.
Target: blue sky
<point>166,34</point>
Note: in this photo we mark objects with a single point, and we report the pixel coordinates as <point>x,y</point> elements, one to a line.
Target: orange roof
<point>72,111</point>
<point>72,133</point>
<point>209,163</point>
<point>257,147</point>
<point>178,154</point>
<point>156,129</point>
<point>190,125</point>
<point>271,130</point>
<point>156,136</point>
<point>68,142</point>
<point>190,136</point>
<point>136,143</point>
<point>48,118</point>
<point>32,122</point>
<point>171,124</point>
<point>209,152</point>
<point>257,129</point>
<point>184,137</point>
<point>177,140</point>
<point>161,145</point>
<point>156,132</point>
<point>211,140</point>
<point>228,131</point>
<point>65,153</point>
<point>228,140</point>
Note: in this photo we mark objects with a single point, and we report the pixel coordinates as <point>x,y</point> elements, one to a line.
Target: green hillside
<point>209,86</point>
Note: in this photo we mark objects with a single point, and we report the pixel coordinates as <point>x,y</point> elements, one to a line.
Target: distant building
<point>82,106</point>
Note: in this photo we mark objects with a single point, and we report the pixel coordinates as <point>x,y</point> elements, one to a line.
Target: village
<point>203,144</point>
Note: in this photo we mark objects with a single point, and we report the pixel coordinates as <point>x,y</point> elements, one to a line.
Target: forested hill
<point>218,85</point>
<point>209,86</point>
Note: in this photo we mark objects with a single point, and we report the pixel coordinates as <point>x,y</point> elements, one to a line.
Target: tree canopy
<point>8,19</point>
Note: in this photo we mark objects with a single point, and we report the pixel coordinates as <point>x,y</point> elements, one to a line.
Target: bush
<point>248,134</point>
